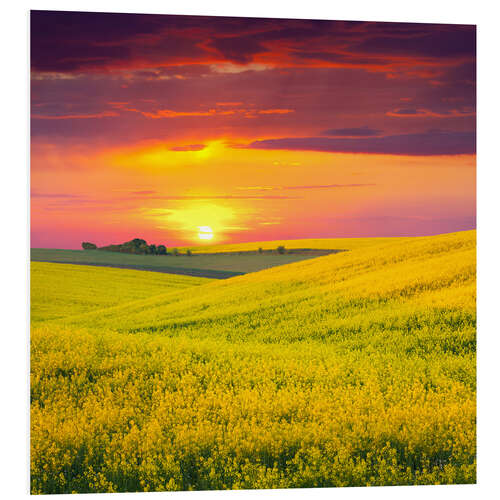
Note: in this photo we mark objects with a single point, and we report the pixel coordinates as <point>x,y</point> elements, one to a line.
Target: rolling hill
<point>318,243</point>
<point>59,290</point>
<point>356,368</point>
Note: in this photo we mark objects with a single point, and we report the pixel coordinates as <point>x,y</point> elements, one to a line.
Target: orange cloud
<point>170,113</point>
<point>229,103</point>
<point>276,111</point>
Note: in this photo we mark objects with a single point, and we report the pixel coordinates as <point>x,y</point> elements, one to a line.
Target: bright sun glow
<point>205,233</point>
<point>183,219</point>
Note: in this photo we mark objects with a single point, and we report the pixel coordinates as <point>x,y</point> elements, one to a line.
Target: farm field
<point>59,290</point>
<point>351,369</point>
<point>208,266</point>
<point>321,243</point>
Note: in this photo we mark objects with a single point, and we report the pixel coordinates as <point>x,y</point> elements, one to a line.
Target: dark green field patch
<point>218,266</point>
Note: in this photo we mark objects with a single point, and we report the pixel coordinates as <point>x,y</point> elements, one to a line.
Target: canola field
<point>59,290</point>
<point>318,244</point>
<point>351,369</point>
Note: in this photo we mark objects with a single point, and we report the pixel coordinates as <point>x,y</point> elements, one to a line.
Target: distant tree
<point>260,250</point>
<point>142,248</point>
<point>137,242</point>
<point>281,249</point>
<point>188,252</point>
<point>175,252</point>
<point>136,246</point>
<point>162,250</point>
<point>88,246</point>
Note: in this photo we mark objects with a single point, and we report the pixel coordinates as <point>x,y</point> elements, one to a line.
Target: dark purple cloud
<point>67,41</point>
<point>341,59</point>
<point>238,49</point>
<point>439,41</point>
<point>352,132</point>
<point>463,74</point>
<point>78,41</point>
<point>431,143</point>
<point>406,111</point>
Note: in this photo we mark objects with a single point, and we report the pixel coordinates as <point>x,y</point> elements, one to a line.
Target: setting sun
<point>205,233</point>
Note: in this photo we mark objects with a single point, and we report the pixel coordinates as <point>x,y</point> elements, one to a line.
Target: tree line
<point>136,246</point>
<point>141,247</point>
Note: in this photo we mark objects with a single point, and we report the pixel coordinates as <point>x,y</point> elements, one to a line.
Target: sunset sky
<point>155,126</point>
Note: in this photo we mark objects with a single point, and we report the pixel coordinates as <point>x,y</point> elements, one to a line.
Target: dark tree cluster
<point>136,246</point>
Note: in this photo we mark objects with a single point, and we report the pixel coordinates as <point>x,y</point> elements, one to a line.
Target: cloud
<point>422,112</point>
<point>336,58</point>
<point>276,111</point>
<point>404,112</point>
<point>104,114</point>
<point>229,103</point>
<point>352,132</point>
<point>352,97</point>
<point>36,194</point>
<point>431,143</point>
<point>169,113</point>
<point>224,197</point>
<point>327,186</point>
<point>317,186</point>
<point>221,110</point>
<point>436,41</point>
<point>79,41</point>
<point>239,50</point>
<point>309,72</point>
<point>230,68</point>
<point>73,42</point>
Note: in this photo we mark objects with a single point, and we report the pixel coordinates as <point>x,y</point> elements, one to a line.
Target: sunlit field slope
<point>59,290</point>
<point>345,370</point>
<point>321,243</point>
